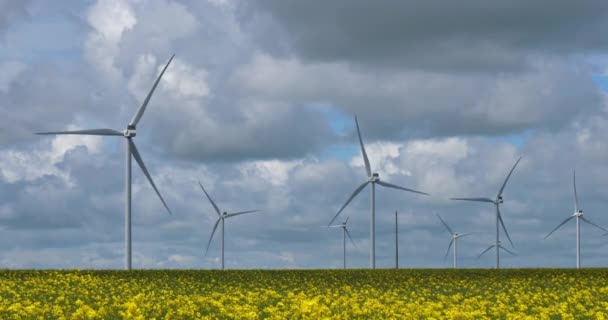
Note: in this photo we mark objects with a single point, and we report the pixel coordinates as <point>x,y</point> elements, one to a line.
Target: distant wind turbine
<point>221,217</point>
<point>499,220</point>
<point>578,214</point>
<point>373,179</point>
<point>345,233</point>
<point>128,134</point>
<point>498,246</point>
<point>455,237</point>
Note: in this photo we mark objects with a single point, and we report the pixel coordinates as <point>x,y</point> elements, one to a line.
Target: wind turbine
<point>455,236</point>
<point>221,216</point>
<point>128,134</point>
<point>499,220</point>
<point>578,214</point>
<point>373,179</point>
<point>344,234</point>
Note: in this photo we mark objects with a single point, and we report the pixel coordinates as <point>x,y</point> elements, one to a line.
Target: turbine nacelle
<point>579,213</point>
<point>374,178</point>
<point>499,199</point>
<point>130,132</point>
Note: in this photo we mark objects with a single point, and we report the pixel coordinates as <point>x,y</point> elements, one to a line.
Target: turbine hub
<point>499,200</point>
<point>130,132</point>
<point>375,177</point>
<point>579,213</point>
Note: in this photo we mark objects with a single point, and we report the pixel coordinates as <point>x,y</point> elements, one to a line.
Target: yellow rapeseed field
<point>310,294</point>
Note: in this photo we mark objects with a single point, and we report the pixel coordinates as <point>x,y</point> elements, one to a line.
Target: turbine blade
<point>351,238</point>
<point>239,213</point>
<point>448,251</point>
<point>349,200</point>
<point>390,185</point>
<point>345,222</point>
<point>219,214</point>
<point>139,161</point>
<point>507,250</point>
<point>446,225</point>
<point>475,199</point>
<point>334,226</point>
<point>559,226</point>
<point>488,249</point>
<point>575,194</point>
<point>92,132</point>
<point>593,224</point>
<point>504,228</point>
<point>142,109</point>
<point>504,184</point>
<point>368,168</point>
<point>212,233</point>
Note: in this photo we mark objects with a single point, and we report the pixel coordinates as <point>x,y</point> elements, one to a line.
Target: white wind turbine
<point>578,214</point>
<point>455,237</point>
<point>373,179</point>
<point>128,134</point>
<point>499,220</point>
<point>221,216</point>
<point>344,234</point>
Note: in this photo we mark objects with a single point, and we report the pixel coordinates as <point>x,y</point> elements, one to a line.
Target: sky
<point>258,105</point>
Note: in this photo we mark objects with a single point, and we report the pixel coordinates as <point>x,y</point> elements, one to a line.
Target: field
<point>311,294</point>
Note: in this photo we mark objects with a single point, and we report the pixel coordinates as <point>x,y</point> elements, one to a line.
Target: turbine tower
<point>455,237</point>
<point>396,241</point>
<point>373,179</point>
<point>131,151</point>
<point>344,234</point>
<point>497,202</point>
<point>221,216</point>
<point>578,214</point>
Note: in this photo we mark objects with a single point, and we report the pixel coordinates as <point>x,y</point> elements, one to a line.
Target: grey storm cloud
<point>422,69</point>
<point>448,96</point>
<point>467,36</point>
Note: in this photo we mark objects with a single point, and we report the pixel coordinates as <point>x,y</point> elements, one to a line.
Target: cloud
<point>109,20</point>
<point>12,69</point>
<point>297,197</point>
<point>11,11</point>
<point>258,106</point>
<point>469,36</point>
<point>22,165</point>
<point>428,103</point>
